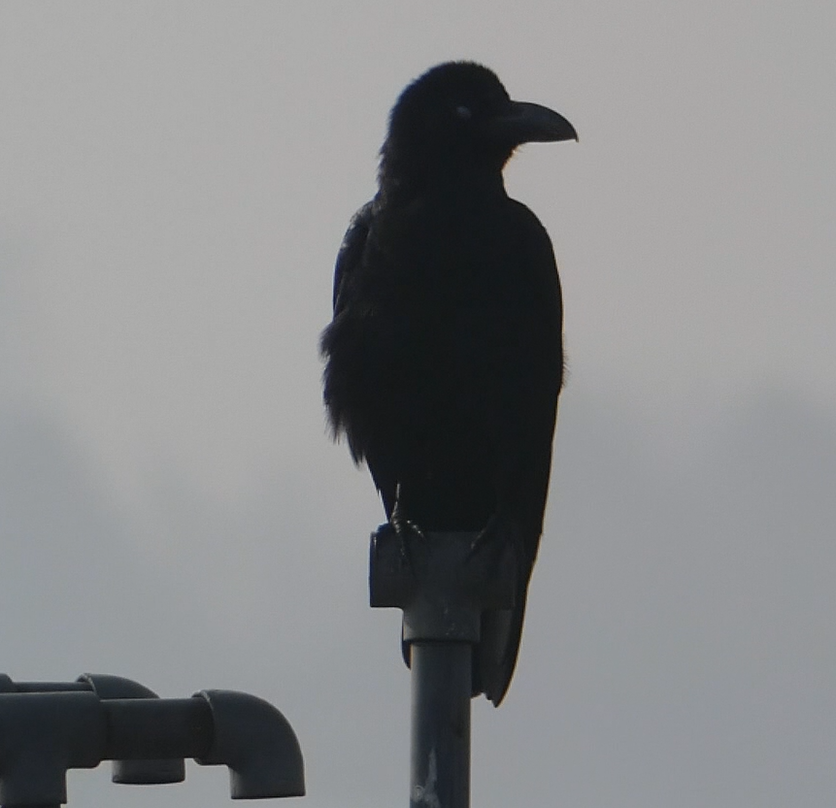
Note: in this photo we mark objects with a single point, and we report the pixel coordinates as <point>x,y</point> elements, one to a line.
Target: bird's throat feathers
<point>401,181</point>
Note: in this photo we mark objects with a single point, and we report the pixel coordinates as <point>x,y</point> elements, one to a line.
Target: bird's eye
<point>463,113</point>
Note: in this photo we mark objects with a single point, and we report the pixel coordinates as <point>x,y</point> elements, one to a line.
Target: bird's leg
<point>498,532</point>
<point>404,528</point>
<point>483,536</point>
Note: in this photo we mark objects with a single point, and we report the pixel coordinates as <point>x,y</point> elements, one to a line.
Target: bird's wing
<point>523,409</point>
<point>351,253</point>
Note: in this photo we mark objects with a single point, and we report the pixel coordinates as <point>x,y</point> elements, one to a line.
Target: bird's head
<point>456,119</point>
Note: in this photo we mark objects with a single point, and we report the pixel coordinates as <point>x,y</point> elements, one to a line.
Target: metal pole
<point>440,753</point>
<point>443,588</point>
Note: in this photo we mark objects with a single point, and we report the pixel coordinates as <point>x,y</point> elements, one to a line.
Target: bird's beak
<point>531,123</point>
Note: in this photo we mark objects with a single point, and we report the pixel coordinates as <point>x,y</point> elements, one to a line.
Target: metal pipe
<point>440,753</point>
<point>140,729</point>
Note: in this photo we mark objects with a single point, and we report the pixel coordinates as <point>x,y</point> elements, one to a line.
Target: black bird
<point>444,359</point>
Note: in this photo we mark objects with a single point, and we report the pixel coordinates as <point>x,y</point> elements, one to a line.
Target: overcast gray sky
<point>175,179</point>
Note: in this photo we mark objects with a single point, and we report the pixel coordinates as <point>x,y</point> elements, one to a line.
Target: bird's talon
<point>404,530</point>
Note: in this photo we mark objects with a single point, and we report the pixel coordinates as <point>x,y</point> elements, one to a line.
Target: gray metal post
<point>440,748</point>
<point>443,588</point>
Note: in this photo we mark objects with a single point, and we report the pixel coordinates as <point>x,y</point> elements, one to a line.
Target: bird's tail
<point>496,655</point>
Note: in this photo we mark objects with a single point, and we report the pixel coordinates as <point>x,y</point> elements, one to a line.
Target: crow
<point>444,358</point>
